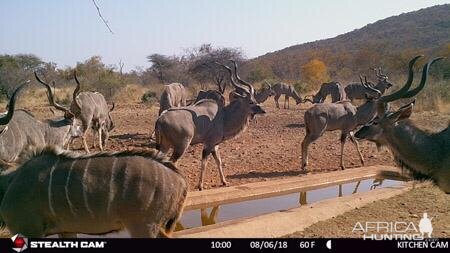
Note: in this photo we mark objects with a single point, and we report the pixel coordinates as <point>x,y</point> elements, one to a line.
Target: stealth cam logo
<point>20,243</point>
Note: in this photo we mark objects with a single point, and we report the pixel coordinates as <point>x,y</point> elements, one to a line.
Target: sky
<point>70,31</point>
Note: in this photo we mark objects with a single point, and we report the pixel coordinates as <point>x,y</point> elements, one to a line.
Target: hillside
<point>389,43</point>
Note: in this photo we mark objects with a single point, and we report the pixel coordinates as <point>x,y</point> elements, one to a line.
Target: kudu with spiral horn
<point>206,122</point>
<point>20,129</point>
<point>346,117</point>
<point>424,154</point>
<point>91,109</point>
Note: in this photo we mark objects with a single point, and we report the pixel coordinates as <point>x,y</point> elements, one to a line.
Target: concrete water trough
<point>280,207</point>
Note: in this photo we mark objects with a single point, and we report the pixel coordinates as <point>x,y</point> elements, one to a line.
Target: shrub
<point>149,97</point>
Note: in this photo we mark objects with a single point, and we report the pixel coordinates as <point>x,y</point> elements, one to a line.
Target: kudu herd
<point>345,117</point>
<point>207,122</point>
<point>22,129</point>
<point>143,192</point>
<point>424,154</point>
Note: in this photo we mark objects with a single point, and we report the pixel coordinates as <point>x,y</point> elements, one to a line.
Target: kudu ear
<point>403,113</point>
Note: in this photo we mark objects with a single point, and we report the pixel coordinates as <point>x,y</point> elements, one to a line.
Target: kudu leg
<point>216,156</point>
<point>353,139</point>
<point>343,139</point>
<point>276,97</point>
<point>100,141</point>
<point>86,127</point>
<point>86,148</point>
<point>205,155</point>
<point>94,133</point>
<point>305,144</point>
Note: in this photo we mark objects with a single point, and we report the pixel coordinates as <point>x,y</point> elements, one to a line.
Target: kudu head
<point>6,118</point>
<point>69,117</point>
<point>68,114</point>
<point>374,130</point>
<point>383,83</point>
<point>371,92</point>
<point>244,92</point>
<point>268,88</point>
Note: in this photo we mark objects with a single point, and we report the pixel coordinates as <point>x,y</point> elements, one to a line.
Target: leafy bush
<point>149,97</point>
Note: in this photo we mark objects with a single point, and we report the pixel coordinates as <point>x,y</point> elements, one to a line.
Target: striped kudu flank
<point>66,193</point>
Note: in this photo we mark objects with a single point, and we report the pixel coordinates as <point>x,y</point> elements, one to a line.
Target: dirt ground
<point>407,207</point>
<point>268,149</point>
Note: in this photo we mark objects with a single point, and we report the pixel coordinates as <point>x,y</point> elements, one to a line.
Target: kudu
<point>346,117</point>
<point>264,93</point>
<point>260,96</point>
<point>383,84</point>
<point>91,109</point>
<point>424,154</point>
<point>333,89</point>
<point>174,95</point>
<point>288,91</point>
<point>361,90</point>
<point>65,193</point>
<point>22,129</point>
<point>207,122</point>
<point>210,94</point>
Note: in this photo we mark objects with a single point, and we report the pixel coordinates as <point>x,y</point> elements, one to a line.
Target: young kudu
<point>346,117</point>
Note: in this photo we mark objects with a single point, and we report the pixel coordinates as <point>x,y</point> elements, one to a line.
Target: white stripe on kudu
<point>84,184</point>
<point>50,180</point>
<point>152,194</point>
<point>112,186</point>
<point>66,187</point>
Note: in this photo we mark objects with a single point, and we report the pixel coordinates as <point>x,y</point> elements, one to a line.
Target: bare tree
<point>204,67</point>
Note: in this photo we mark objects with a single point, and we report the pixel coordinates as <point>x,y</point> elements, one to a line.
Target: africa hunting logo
<point>381,230</point>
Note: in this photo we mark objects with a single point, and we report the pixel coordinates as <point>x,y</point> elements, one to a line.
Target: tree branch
<point>100,15</point>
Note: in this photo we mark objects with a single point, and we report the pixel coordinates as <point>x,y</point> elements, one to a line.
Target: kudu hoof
<point>225,183</point>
